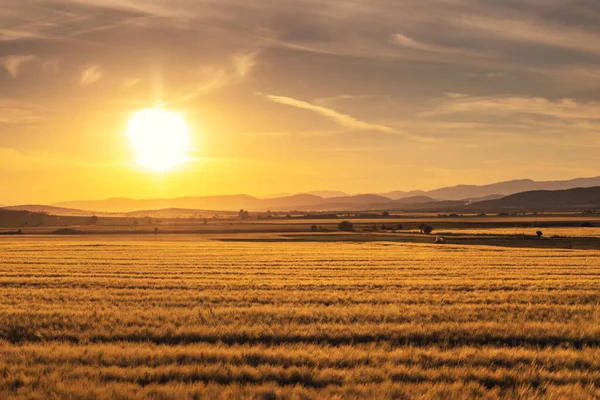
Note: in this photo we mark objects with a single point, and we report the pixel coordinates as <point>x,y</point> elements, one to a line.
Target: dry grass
<point>116,317</point>
<point>548,231</point>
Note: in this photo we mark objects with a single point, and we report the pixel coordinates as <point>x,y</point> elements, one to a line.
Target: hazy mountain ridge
<point>311,202</point>
<point>506,188</point>
<point>544,200</point>
<point>40,208</point>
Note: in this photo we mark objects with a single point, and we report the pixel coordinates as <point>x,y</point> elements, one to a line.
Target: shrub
<point>346,226</point>
<point>313,228</point>
<point>426,229</point>
<point>539,233</point>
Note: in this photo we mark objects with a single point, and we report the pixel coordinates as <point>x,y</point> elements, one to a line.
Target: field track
<point>180,317</point>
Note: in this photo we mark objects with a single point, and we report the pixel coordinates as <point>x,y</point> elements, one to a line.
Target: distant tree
<point>400,227</point>
<point>243,214</point>
<point>427,229</point>
<point>385,214</point>
<point>155,231</point>
<point>422,226</point>
<point>586,224</point>
<point>346,226</point>
<point>539,233</point>
<point>93,220</point>
<point>313,228</point>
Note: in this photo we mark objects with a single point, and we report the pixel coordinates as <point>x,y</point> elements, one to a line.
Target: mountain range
<point>331,200</point>
<point>543,200</point>
<point>536,200</point>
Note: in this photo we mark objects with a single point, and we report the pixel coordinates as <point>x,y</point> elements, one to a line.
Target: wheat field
<point>178,317</point>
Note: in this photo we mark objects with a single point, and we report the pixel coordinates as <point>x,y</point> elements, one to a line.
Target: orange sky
<point>292,96</point>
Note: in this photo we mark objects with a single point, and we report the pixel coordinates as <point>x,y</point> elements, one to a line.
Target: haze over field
<point>286,97</point>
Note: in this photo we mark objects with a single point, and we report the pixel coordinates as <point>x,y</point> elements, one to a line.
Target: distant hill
<point>179,213</point>
<point>544,200</point>
<point>123,204</point>
<point>415,200</point>
<point>509,187</point>
<point>324,202</point>
<point>400,194</point>
<point>38,208</point>
<point>484,198</point>
<point>326,194</point>
<point>230,203</point>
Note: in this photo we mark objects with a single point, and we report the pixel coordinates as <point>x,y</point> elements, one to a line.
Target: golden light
<point>160,138</point>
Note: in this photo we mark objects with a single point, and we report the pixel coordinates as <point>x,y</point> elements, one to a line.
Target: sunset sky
<point>292,96</point>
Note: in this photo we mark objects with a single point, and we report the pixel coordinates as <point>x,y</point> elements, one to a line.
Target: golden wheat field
<point>179,317</point>
<point>571,232</point>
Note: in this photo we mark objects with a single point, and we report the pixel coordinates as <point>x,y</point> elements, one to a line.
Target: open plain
<point>186,316</point>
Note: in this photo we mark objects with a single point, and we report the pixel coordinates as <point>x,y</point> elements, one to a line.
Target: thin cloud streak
<point>339,118</point>
<point>564,108</point>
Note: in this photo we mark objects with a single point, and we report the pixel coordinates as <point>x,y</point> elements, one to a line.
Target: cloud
<point>12,63</point>
<point>532,31</point>
<point>509,105</point>
<point>90,74</point>
<point>245,63</point>
<point>339,118</point>
<point>410,43</point>
<point>211,78</point>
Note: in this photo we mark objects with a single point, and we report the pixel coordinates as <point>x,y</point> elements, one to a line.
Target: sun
<point>160,138</point>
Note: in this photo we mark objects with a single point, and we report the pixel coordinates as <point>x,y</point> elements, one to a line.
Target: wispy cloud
<point>212,78</point>
<point>12,64</point>
<point>339,118</point>
<point>532,31</point>
<point>507,105</point>
<point>245,63</point>
<point>90,74</point>
<point>410,43</point>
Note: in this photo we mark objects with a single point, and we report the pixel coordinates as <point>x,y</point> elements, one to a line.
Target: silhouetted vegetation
<point>346,226</point>
<point>425,229</point>
<point>539,233</point>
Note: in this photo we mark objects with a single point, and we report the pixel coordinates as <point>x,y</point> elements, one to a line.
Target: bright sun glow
<point>160,138</point>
